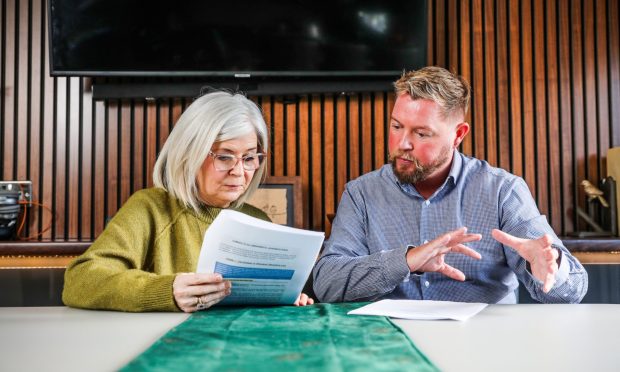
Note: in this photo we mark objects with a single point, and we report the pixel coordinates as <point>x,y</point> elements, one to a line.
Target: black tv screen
<point>236,38</point>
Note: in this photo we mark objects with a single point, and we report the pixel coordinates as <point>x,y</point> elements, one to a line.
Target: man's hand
<point>430,256</point>
<point>538,252</point>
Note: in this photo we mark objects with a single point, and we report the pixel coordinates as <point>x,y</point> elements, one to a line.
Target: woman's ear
<point>461,131</point>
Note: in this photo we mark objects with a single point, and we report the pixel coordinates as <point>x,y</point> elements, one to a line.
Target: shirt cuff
<point>561,276</point>
<point>395,264</point>
<point>563,270</point>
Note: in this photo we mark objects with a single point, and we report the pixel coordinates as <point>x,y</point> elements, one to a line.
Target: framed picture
<point>280,198</point>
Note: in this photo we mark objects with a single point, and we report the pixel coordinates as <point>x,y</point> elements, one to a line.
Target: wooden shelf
<point>38,248</point>
<point>591,244</point>
<point>57,254</point>
<point>40,255</point>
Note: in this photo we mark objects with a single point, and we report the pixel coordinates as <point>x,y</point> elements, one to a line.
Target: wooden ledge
<point>35,262</point>
<point>57,254</point>
<point>611,244</point>
<point>598,258</point>
<point>39,248</point>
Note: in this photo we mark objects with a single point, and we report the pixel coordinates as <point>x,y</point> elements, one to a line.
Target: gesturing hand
<point>538,252</point>
<point>199,291</point>
<point>430,256</point>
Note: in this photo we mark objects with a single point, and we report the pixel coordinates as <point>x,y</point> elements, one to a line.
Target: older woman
<point>213,159</point>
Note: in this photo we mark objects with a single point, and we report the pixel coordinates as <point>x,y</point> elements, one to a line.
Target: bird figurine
<point>594,192</point>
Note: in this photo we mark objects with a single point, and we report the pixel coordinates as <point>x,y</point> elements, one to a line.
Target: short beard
<point>420,172</point>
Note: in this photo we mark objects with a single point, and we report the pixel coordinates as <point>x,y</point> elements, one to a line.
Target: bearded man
<point>434,224</point>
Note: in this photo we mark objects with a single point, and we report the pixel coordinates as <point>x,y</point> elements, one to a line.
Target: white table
<point>530,337</point>
<point>500,338</point>
<point>65,339</point>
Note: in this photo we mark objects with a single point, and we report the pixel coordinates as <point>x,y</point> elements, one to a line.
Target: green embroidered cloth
<point>318,337</point>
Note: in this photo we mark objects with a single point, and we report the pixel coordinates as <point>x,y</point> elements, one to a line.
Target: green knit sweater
<point>132,265</point>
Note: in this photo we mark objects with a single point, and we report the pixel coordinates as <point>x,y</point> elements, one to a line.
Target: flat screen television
<point>237,38</point>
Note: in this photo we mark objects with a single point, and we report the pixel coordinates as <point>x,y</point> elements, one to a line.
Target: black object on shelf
<point>9,211</point>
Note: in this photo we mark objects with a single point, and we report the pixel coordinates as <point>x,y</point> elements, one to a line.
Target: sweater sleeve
<point>112,275</point>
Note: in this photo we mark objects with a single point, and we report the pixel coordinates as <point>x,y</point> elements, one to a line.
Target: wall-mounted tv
<point>236,38</point>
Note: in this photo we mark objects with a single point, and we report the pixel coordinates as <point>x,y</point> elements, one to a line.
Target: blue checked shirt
<point>364,258</point>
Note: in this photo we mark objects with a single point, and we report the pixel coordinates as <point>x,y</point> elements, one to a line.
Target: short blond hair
<point>214,117</point>
<point>451,92</point>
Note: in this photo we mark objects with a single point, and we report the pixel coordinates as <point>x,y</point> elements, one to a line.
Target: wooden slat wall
<point>546,106</point>
<point>545,89</point>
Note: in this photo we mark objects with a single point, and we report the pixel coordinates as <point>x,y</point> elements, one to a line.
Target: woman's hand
<point>199,291</point>
<point>303,300</point>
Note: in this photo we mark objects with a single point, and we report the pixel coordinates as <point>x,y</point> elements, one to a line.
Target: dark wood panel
<point>541,153</point>
<point>355,142</point>
<point>85,193</point>
<point>342,145</point>
<point>124,148</point>
<point>453,34</point>
<point>279,150</point>
<point>151,135</point>
<point>503,86</point>
<point>465,63</point>
<point>8,97</point>
<point>527,79</point>
<point>291,138</point>
<point>566,131</point>
<point>553,117</point>
<point>304,157</point>
<point>367,134</point>
<point>490,98</point>
<point>329,203</point>
<point>590,119</point>
<point>613,15</point>
<point>439,31</point>
<point>139,148</point>
<point>316,156</point>
<point>602,101</point>
<point>59,186</point>
<point>380,149</point>
<point>99,170</point>
<point>477,83</point>
<point>22,90</point>
<point>516,143</point>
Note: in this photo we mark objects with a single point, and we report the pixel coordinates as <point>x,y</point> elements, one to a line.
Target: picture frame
<point>280,197</point>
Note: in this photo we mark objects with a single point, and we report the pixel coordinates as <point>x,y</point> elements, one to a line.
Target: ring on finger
<point>199,304</point>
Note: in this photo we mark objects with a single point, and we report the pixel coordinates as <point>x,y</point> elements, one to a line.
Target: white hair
<point>214,117</point>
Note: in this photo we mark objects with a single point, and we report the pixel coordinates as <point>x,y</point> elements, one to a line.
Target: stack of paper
<point>267,264</point>
<point>421,309</point>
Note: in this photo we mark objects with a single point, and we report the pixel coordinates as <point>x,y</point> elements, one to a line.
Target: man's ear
<point>461,131</point>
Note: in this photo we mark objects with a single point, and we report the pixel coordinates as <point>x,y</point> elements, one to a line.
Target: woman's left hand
<point>303,300</point>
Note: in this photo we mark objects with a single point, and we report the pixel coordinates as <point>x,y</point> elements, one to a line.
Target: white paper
<point>421,309</point>
<point>267,263</point>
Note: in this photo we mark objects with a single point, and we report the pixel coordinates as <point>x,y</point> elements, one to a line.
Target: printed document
<point>267,263</point>
<point>421,309</point>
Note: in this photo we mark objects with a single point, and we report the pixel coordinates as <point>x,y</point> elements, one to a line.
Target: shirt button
<point>426,284</point>
<point>427,202</point>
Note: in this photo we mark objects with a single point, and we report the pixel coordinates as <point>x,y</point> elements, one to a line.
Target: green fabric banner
<point>320,337</point>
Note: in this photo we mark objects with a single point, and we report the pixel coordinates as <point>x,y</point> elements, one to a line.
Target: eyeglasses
<point>226,162</point>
